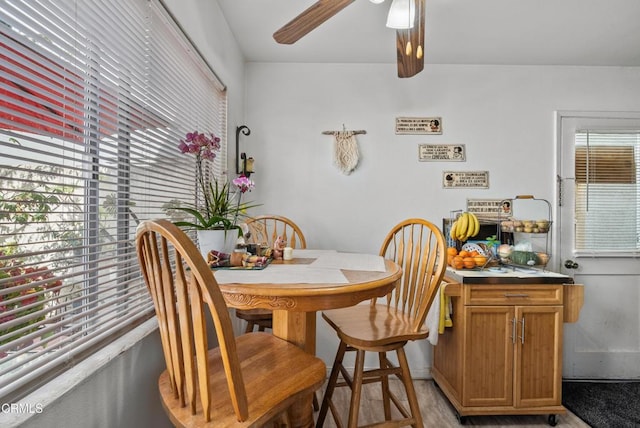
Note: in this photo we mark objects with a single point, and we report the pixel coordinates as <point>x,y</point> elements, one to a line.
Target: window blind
<point>94,99</point>
<point>607,193</point>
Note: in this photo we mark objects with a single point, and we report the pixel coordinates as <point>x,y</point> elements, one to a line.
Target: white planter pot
<point>216,240</point>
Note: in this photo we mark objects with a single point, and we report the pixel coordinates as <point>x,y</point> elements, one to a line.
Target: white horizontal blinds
<point>171,75</point>
<point>607,192</point>
<point>94,98</point>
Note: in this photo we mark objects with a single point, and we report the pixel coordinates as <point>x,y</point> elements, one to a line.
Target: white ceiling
<point>519,32</point>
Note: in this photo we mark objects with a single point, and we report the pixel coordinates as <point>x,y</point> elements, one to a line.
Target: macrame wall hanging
<point>345,149</point>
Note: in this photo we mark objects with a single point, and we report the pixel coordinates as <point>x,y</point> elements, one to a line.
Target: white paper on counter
<point>508,272</point>
<point>350,261</point>
<point>281,274</point>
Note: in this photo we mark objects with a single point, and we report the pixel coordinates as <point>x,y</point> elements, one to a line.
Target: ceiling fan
<point>406,16</point>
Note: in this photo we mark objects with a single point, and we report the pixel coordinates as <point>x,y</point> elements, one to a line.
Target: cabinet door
<point>488,356</point>
<point>538,367</point>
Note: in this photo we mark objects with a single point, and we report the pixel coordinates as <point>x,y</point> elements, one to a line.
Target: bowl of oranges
<point>467,258</point>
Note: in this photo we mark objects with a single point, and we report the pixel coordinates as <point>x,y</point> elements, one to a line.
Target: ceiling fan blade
<point>411,63</point>
<point>308,20</point>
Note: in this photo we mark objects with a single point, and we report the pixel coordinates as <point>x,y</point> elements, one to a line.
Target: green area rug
<point>604,404</point>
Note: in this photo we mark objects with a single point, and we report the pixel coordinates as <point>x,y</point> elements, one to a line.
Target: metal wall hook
<point>246,166</point>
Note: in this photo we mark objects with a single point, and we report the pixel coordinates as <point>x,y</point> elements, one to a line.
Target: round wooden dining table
<point>294,307</point>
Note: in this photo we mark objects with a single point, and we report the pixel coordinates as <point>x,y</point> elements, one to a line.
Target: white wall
<point>503,114</point>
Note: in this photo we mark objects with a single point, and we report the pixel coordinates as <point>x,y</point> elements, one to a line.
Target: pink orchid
<point>218,208</point>
<point>243,183</point>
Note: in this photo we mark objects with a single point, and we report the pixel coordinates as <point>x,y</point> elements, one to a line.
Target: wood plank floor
<point>436,410</point>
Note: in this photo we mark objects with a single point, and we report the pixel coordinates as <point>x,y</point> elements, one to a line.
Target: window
<point>89,130</point>
<point>607,192</point>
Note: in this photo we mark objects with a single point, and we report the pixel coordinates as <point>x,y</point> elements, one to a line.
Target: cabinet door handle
<point>515,295</point>
<point>514,321</point>
<point>522,332</point>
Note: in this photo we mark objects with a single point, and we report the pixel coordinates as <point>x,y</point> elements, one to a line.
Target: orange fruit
<point>474,253</point>
<point>452,251</point>
<point>469,262</point>
<point>457,262</point>
<point>463,253</point>
<point>480,260</point>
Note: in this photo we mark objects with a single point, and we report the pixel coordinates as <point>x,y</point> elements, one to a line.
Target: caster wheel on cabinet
<point>553,420</point>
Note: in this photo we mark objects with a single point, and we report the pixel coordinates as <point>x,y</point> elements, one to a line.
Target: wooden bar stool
<point>418,246</point>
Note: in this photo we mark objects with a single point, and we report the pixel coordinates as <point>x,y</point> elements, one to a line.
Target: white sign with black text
<point>418,125</point>
<point>465,179</point>
<point>441,152</point>
<point>490,208</point>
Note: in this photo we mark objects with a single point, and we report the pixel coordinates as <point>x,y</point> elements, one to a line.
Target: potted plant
<point>216,221</point>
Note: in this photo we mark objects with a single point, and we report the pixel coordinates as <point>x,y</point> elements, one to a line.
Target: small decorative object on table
<point>278,248</point>
<point>219,259</point>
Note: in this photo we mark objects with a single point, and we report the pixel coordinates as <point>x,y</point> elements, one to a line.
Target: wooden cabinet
<point>503,354</point>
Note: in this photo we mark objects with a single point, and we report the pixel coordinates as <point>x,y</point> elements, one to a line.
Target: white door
<point>605,342</point>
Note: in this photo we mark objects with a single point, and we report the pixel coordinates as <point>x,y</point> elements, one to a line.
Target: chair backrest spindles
<point>419,247</point>
<point>267,228</point>
<point>182,285</point>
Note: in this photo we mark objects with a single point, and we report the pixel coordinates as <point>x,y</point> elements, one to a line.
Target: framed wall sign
<point>418,125</point>
<point>441,152</point>
<point>465,179</point>
<point>490,208</point>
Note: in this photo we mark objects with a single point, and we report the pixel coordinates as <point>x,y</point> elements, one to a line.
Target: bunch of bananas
<point>465,227</point>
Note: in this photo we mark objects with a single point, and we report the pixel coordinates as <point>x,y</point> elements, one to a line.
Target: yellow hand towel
<point>445,309</point>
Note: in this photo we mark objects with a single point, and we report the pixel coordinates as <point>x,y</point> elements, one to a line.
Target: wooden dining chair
<point>223,386</point>
<point>418,246</point>
<point>265,229</point>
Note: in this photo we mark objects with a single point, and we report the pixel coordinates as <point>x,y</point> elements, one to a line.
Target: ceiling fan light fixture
<point>402,14</point>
